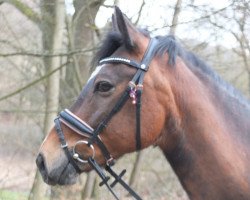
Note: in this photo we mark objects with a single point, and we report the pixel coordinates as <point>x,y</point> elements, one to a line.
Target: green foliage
<point>11,195</point>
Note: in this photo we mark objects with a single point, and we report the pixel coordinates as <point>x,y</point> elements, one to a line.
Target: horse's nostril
<point>40,164</point>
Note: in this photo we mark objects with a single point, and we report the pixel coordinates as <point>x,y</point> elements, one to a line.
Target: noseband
<point>133,91</point>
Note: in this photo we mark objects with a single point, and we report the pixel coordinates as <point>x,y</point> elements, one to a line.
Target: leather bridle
<point>134,91</point>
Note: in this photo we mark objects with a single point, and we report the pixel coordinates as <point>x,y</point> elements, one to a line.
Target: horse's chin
<point>68,176</point>
<point>62,176</point>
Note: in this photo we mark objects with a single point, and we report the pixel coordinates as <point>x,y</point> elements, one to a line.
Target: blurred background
<point>45,52</point>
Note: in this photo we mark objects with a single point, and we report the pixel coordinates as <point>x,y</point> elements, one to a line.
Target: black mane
<point>168,44</point>
<point>109,45</point>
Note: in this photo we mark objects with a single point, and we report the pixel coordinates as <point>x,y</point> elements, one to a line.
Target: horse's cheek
<point>152,125</point>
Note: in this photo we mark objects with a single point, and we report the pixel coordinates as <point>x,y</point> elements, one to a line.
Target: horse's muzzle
<point>43,170</point>
<point>64,174</point>
<point>40,162</point>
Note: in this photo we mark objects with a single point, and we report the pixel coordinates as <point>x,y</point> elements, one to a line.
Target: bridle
<point>133,91</point>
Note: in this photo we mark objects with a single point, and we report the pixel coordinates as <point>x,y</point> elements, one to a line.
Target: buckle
<point>65,145</point>
<point>110,162</point>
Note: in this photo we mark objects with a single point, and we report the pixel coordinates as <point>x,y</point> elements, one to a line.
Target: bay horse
<point>201,124</point>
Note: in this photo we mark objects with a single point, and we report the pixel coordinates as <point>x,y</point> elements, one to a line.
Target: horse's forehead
<point>90,82</point>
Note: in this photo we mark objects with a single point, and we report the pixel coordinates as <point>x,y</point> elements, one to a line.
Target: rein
<point>133,91</point>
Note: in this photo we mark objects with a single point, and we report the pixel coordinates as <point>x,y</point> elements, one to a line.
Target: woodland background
<point>45,51</point>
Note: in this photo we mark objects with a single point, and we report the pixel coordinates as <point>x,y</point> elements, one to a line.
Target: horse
<point>171,99</point>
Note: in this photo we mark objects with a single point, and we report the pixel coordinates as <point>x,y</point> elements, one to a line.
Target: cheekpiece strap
<point>149,54</point>
<point>64,144</point>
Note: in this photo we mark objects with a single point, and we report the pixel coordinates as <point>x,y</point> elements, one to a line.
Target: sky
<point>131,7</point>
<point>156,15</point>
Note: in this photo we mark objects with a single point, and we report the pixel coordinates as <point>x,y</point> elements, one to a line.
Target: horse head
<point>123,60</point>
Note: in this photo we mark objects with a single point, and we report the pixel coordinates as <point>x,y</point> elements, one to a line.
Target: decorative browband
<point>123,61</point>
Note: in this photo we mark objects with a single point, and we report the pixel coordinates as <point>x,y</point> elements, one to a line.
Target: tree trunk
<point>85,31</point>
<point>89,185</point>
<point>84,34</point>
<point>135,172</point>
<point>177,11</point>
<point>52,28</point>
<point>38,188</point>
<point>53,82</point>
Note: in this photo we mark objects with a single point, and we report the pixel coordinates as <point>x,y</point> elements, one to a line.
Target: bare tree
<point>176,14</point>
<point>52,28</point>
<point>84,35</point>
<point>237,15</point>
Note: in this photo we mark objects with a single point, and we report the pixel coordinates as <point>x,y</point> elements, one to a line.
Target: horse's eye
<point>103,86</point>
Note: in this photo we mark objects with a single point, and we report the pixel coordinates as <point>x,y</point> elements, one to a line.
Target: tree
<point>176,14</point>
<point>84,34</point>
<point>236,14</point>
<point>52,26</point>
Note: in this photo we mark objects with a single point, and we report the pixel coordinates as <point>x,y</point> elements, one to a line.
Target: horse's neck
<point>203,148</point>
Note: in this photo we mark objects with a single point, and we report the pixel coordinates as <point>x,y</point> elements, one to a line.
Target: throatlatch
<point>133,91</point>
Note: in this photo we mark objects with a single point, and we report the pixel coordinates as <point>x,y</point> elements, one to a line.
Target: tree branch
<point>140,12</point>
<point>175,21</point>
<point>32,83</point>
<point>25,10</point>
<point>196,19</point>
<point>34,54</point>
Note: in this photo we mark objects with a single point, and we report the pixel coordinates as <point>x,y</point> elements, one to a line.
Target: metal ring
<point>76,155</point>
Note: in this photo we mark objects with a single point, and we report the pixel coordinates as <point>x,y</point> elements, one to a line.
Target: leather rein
<point>133,91</point>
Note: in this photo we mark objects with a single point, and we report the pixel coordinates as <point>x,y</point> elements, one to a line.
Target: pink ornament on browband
<point>133,91</point>
<point>132,94</point>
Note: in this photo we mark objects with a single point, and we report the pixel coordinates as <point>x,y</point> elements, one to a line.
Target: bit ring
<point>76,155</point>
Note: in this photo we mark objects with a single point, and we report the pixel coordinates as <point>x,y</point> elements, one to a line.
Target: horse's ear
<point>127,30</point>
<point>114,24</point>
